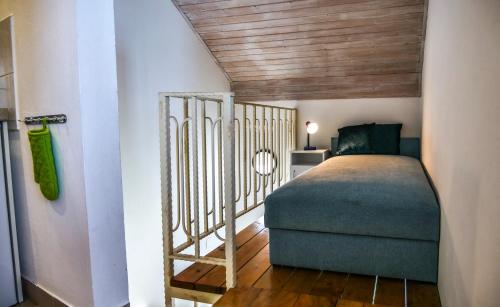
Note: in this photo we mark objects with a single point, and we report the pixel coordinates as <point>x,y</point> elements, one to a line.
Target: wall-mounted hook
<point>51,119</point>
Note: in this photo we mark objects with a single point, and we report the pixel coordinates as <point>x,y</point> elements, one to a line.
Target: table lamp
<point>311,128</point>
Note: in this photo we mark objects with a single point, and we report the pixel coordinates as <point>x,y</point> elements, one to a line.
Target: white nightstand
<point>302,160</point>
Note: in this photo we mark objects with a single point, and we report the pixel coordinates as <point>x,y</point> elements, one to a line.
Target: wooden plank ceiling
<point>313,49</point>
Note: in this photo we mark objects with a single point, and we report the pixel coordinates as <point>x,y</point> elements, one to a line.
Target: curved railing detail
<point>227,157</point>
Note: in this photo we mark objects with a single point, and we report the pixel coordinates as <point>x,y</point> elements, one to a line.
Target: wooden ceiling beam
<point>401,32</point>
<point>224,4</point>
<point>320,88</point>
<point>330,72</point>
<point>356,15</point>
<point>332,54</point>
<point>320,62</point>
<point>357,92</point>
<point>353,69</point>
<point>313,81</point>
<point>327,44</point>
<point>206,19</point>
<point>197,12</point>
<point>381,26</point>
<point>328,25</point>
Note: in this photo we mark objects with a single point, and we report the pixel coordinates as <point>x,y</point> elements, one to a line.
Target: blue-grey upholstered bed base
<point>319,222</point>
<point>367,255</point>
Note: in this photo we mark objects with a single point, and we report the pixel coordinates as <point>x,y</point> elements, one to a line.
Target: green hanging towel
<point>43,161</point>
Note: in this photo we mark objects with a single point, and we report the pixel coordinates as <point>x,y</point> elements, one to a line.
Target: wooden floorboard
<point>274,298</point>
<point>214,280</point>
<point>301,281</point>
<point>348,303</point>
<point>254,268</point>
<point>330,284</point>
<point>187,278</point>
<point>390,292</point>
<point>359,288</point>
<point>261,284</point>
<point>238,297</point>
<point>423,294</point>
<point>246,234</point>
<point>306,300</point>
<point>274,278</point>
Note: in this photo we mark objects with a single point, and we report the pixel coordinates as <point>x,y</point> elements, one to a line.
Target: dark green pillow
<point>385,138</point>
<point>355,140</point>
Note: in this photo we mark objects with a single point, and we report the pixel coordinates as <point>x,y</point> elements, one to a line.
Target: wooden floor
<point>262,284</point>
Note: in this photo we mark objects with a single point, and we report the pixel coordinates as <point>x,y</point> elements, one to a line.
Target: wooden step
<point>212,278</point>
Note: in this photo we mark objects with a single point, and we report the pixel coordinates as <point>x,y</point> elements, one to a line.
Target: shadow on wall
<point>462,212</point>
<point>59,207</point>
<point>21,174</point>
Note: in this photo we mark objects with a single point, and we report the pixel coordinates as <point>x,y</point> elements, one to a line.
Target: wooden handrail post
<point>166,196</point>
<point>229,188</point>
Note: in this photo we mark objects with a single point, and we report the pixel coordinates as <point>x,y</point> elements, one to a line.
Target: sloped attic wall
<point>156,51</point>
<point>461,145</point>
<point>314,49</point>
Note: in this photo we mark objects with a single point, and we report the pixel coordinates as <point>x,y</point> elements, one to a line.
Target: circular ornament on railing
<point>266,162</point>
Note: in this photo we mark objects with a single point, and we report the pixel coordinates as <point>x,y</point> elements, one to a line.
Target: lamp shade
<point>312,128</point>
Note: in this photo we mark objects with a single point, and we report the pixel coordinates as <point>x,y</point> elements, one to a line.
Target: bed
<point>363,214</point>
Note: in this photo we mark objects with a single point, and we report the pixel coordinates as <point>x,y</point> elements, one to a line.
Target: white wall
<point>156,51</point>
<point>461,145</point>
<point>53,236</point>
<point>337,113</point>
<point>58,240</point>
<point>101,150</point>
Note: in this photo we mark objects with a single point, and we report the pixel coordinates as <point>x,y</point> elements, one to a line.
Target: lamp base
<point>310,148</point>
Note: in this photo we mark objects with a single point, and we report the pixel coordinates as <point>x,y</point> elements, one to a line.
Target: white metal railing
<point>219,160</point>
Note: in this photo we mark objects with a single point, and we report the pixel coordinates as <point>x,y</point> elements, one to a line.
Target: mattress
<point>370,195</point>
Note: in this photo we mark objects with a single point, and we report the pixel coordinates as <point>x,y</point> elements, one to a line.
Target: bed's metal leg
<point>406,295</point>
<point>375,290</point>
